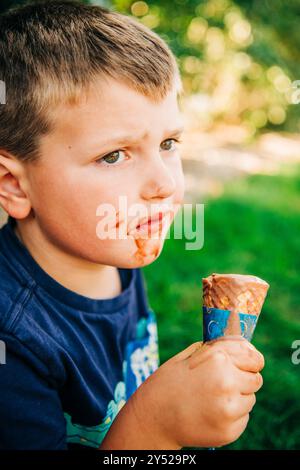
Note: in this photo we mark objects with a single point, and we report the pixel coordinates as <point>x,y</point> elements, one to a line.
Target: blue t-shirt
<point>68,362</point>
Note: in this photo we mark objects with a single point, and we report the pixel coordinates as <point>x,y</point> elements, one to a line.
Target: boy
<point>91,114</point>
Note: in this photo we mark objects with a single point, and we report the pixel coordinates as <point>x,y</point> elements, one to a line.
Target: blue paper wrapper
<point>215,322</point>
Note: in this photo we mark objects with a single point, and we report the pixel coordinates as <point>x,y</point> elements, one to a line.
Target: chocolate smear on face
<point>147,246</point>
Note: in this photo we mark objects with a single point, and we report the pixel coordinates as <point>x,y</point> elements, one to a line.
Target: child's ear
<point>12,197</point>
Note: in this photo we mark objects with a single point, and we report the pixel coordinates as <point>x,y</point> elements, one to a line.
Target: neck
<point>93,280</point>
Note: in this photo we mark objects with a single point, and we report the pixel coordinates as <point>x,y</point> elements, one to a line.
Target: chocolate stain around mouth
<point>144,250</point>
<point>147,246</point>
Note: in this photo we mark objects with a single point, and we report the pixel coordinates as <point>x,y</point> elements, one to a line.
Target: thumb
<point>186,353</point>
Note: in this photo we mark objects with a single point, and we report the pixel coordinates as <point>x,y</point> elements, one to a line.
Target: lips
<point>151,223</point>
<point>150,220</point>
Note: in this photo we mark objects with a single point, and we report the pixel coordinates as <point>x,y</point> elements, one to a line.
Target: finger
<point>247,359</point>
<point>243,354</point>
<point>250,382</point>
<point>248,402</point>
<point>238,428</point>
<point>238,406</point>
<point>189,351</point>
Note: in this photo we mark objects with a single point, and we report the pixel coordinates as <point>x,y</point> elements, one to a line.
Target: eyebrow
<point>128,138</point>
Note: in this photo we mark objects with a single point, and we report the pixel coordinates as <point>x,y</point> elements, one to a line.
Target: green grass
<point>254,228</point>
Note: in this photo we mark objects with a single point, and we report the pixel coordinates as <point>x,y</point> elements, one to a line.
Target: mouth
<point>150,220</point>
<point>152,224</point>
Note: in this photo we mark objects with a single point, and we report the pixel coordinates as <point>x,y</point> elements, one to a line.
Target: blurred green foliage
<point>243,54</point>
<point>253,229</point>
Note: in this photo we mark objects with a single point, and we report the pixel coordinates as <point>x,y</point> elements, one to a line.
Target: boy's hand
<point>201,397</point>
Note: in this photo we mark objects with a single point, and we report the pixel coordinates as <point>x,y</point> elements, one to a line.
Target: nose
<point>159,182</point>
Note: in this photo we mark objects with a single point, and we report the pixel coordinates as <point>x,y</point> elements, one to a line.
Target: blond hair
<point>50,52</point>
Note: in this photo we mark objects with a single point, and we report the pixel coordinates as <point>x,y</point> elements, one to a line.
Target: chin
<point>144,254</point>
<point>135,254</point>
<point>147,251</point>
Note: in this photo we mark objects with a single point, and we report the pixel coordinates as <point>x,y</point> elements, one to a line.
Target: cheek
<point>65,206</point>
<point>66,211</point>
<point>73,193</point>
<point>61,198</point>
<point>180,183</point>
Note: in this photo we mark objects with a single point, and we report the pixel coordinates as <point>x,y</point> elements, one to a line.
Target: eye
<point>112,158</point>
<point>167,148</point>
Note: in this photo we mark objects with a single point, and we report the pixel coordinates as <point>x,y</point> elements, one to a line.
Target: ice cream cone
<point>232,304</point>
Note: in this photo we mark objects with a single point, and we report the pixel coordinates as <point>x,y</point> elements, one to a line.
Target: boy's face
<point>70,182</point>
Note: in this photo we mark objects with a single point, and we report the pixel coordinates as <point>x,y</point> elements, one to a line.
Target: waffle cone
<point>237,293</point>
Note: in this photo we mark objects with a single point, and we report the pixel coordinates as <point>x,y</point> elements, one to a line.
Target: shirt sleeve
<point>31,415</point>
